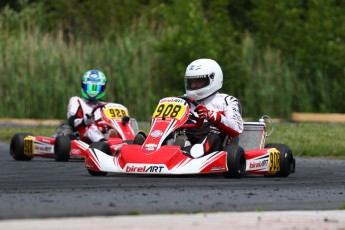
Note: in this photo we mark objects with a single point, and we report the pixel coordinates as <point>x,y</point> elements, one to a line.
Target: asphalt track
<point>43,188</point>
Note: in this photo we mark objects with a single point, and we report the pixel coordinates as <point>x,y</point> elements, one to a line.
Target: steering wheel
<point>92,114</point>
<point>199,121</point>
<point>100,106</point>
<point>189,100</point>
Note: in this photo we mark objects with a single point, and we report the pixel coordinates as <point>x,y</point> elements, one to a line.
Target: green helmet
<point>93,85</point>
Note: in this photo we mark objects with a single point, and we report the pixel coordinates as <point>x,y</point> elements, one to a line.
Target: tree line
<point>277,56</point>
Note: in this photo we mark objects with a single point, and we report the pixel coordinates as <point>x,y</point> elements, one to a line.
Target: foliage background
<point>277,56</point>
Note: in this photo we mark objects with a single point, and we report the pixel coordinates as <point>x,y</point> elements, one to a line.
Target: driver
<point>93,86</point>
<point>222,112</point>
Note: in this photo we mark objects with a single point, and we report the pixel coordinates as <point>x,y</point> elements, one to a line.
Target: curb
<point>228,220</point>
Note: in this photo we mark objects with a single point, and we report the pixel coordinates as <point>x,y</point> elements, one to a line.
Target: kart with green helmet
<point>112,120</point>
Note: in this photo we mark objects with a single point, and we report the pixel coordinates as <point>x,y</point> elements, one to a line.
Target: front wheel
<point>236,161</point>
<point>104,147</point>
<point>17,147</point>
<point>287,162</point>
<point>62,148</point>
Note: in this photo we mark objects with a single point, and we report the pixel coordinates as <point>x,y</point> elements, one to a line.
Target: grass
<point>260,209</point>
<point>305,139</point>
<point>311,139</point>
<point>6,133</point>
<point>134,213</point>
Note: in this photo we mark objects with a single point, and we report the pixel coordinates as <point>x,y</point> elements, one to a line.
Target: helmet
<point>203,78</point>
<point>93,85</point>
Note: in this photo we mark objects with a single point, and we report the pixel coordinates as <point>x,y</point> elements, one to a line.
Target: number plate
<point>29,146</point>
<point>274,165</point>
<point>169,110</point>
<point>114,112</point>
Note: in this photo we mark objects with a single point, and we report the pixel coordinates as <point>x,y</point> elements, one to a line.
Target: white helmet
<point>203,78</point>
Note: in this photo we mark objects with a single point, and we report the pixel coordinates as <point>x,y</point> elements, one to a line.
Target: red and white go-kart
<point>115,123</point>
<point>161,152</point>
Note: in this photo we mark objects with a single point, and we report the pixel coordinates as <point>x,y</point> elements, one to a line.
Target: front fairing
<point>112,115</point>
<point>170,114</point>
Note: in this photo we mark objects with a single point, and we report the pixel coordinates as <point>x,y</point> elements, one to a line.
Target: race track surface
<point>45,188</point>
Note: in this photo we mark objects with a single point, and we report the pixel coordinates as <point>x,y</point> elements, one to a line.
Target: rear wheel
<point>62,148</point>
<point>104,147</point>
<point>287,162</point>
<point>236,161</point>
<point>17,147</point>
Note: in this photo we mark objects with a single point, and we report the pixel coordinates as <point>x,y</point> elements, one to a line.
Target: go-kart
<point>116,125</point>
<point>161,153</point>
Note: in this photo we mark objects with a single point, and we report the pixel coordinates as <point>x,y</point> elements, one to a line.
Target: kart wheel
<point>104,147</point>
<point>139,139</point>
<point>17,147</point>
<point>62,148</point>
<point>287,162</point>
<point>236,161</point>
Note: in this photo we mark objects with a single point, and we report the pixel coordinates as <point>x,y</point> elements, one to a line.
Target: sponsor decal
<point>150,146</point>
<point>42,148</point>
<point>144,169</point>
<point>156,133</point>
<point>46,141</point>
<point>87,165</point>
<point>217,168</point>
<point>48,148</point>
<point>39,148</point>
<point>258,164</point>
<point>75,152</point>
<point>167,100</point>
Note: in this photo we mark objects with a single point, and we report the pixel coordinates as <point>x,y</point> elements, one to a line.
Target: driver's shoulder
<point>226,98</point>
<point>76,99</point>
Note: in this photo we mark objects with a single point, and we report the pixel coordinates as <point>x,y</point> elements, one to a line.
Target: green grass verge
<point>311,139</point>
<point>305,139</point>
<point>6,133</point>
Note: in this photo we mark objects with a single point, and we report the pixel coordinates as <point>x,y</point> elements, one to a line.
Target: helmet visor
<point>93,88</point>
<point>194,83</point>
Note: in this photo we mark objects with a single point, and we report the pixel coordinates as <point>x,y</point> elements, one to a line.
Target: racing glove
<point>87,119</point>
<point>207,114</point>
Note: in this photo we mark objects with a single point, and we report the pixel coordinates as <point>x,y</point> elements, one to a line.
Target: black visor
<point>197,82</point>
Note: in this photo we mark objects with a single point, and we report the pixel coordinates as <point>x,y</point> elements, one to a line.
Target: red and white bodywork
<point>39,146</point>
<point>155,156</point>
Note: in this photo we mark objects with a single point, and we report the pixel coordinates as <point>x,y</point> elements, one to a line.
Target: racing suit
<point>79,117</point>
<point>209,137</point>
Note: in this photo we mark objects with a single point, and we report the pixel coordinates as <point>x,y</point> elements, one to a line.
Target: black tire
<point>17,147</point>
<point>287,162</point>
<point>236,161</point>
<point>104,147</point>
<point>139,139</point>
<point>62,148</point>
